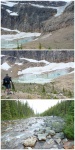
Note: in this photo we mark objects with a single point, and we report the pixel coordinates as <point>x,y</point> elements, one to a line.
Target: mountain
<point>29,16</point>
<point>51,56</point>
<point>50,18</point>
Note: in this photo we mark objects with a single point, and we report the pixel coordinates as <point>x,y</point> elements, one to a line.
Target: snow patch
<point>9,11</point>
<point>6,29</point>
<point>18,64</point>
<point>10,37</point>
<point>2,55</point>
<point>36,61</point>
<point>5,66</point>
<point>47,68</point>
<point>9,4</point>
<point>13,14</point>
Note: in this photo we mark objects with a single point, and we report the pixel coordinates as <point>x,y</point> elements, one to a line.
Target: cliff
<point>51,56</point>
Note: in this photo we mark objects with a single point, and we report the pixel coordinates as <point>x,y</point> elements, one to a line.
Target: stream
<point>47,130</point>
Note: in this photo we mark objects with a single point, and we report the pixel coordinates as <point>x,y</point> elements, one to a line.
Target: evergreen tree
<point>12,109</point>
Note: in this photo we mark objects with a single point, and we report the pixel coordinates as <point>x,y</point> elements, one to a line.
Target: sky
<point>40,106</point>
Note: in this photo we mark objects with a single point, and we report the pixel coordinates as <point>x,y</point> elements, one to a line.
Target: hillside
<point>37,74</point>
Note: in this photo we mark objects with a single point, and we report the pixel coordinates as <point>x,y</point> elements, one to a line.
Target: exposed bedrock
<point>51,56</point>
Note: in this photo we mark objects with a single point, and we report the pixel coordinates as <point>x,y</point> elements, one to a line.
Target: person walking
<point>7,83</point>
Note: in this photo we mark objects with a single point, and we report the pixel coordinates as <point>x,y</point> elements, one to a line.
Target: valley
<point>40,28</point>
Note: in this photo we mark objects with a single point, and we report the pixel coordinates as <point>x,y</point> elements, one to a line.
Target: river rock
<point>49,137</point>
<point>58,141</point>
<point>42,131</point>
<point>64,140</point>
<point>49,146</point>
<point>59,135</point>
<point>69,145</point>
<point>50,132</point>
<point>42,137</point>
<point>30,142</point>
<point>51,142</point>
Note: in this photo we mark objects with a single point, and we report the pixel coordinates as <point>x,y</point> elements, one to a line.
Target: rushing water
<point>13,133</point>
<point>40,78</point>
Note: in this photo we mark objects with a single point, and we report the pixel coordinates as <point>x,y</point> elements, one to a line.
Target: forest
<point>13,109</point>
<point>64,109</point>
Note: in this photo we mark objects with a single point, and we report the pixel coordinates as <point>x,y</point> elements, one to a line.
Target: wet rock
<point>69,145</point>
<point>55,147</point>
<point>59,135</point>
<point>42,137</point>
<point>49,137</point>
<point>58,141</point>
<point>51,142</point>
<point>28,148</point>
<point>30,142</point>
<point>42,131</point>
<point>47,146</point>
<point>50,132</point>
<point>64,140</point>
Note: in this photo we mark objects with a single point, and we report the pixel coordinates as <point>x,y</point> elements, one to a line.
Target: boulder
<point>64,140</point>
<point>30,142</point>
<point>50,132</point>
<point>49,137</point>
<point>69,145</point>
<point>42,137</point>
<point>51,142</point>
<point>59,135</point>
<point>58,141</point>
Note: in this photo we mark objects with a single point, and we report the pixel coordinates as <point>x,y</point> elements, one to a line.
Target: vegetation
<point>40,46</point>
<point>64,109</point>
<point>13,109</point>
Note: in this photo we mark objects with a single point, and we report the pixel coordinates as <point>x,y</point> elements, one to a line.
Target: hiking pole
<point>13,87</point>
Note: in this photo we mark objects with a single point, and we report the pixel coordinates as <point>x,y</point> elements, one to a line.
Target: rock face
<point>30,142</point>
<point>29,17</point>
<point>51,56</point>
<point>55,23</point>
<point>36,16</point>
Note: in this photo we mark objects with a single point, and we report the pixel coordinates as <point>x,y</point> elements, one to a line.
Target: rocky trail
<point>34,133</point>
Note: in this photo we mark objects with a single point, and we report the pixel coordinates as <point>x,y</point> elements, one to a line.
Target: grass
<point>46,91</point>
<point>40,46</point>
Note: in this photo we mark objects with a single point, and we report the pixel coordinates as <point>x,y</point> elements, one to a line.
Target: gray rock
<point>51,142</point>
<point>42,137</point>
<point>49,137</point>
<point>59,135</point>
<point>58,141</point>
<point>50,132</point>
<point>64,140</point>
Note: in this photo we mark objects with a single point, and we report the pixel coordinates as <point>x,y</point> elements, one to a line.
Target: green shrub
<point>40,46</point>
<point>43,90</point>
<point>69,127</point>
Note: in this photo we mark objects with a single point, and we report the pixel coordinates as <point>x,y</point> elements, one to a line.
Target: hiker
<point>7,83</point>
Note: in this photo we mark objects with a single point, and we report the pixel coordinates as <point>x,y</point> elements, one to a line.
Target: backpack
<point>6,81</point>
